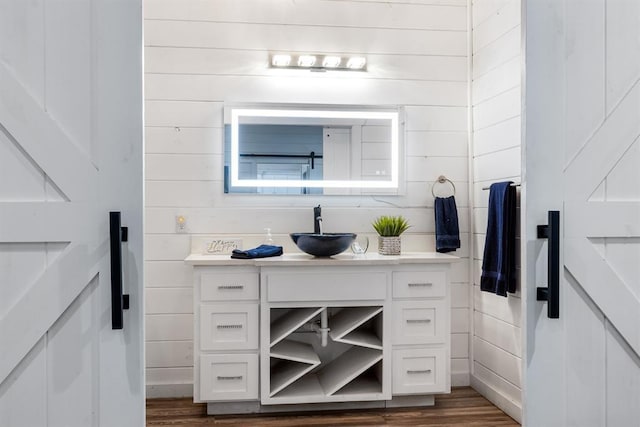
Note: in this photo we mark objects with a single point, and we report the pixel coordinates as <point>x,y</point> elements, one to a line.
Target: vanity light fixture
<point>318,62</point>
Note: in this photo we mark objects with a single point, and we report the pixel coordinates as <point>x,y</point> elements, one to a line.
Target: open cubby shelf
<point>298,372</point>
<point>346,367</point>
<point>286,372</point>
<point>348,319</point>
<point>295,351</point>
<point>362,338</point>
<point>290,321</point>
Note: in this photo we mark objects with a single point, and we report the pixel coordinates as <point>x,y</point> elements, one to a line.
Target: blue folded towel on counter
<point>499,260</point>
<point>447,230</point>
<point>262,251</point>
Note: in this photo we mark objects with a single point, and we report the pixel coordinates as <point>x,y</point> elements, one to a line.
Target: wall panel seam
<point>476,310</point>
<point>498,37</point>
<point>489,153</point>
<point>499,64</point>
<point>498,375</point>
<point>496,95</point>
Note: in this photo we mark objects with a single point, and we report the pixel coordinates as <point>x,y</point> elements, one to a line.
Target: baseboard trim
<point>155,391</point>
<point>460,379</point>
<point>254,407</point>
<point>507,405</point>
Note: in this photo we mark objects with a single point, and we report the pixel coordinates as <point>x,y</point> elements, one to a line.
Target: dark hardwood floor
<point>463,407</point>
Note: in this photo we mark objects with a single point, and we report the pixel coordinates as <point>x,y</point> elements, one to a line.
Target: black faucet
<point>317,218</point>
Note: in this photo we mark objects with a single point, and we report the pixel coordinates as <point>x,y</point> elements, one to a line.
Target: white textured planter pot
<point>389,245</point>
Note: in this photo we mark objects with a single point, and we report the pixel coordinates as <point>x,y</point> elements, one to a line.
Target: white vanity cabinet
<point>421,331</point>
<point>226,331</point>
<point>259,328</point>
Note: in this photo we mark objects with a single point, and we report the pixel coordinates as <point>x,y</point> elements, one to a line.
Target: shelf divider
<point>350,318</point>
<point>364,384</point>
<point>287,373</point>
<point>295,351</point>
<point>346,367</point>
<point>362,338</point>
<point>290,321</point>
<point>307,387</point>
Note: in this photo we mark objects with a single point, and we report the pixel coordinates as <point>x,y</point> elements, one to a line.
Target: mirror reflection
<point>307,151</point>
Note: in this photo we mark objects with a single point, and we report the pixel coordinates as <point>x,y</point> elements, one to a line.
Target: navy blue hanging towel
<point>262,251</point>
<point>447,230</point>
<point>499,261</point>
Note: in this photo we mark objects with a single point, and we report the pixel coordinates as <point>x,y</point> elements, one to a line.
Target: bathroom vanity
<point>346,331</point>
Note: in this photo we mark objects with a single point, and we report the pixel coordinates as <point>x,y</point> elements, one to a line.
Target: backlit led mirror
<point>312,151</point>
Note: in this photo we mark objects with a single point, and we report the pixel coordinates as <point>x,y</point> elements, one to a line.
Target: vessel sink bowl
<point>323,245</point>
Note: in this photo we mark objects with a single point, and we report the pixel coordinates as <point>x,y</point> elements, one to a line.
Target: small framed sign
<point>220,246</point>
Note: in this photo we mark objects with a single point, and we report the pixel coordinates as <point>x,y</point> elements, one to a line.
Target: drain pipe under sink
<point>323,329</point>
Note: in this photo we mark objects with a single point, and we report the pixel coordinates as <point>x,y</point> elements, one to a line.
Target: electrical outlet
<point>181,224</point>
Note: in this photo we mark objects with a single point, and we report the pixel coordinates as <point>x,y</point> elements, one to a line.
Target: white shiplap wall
<point>496,105</point>
<point>200,54</point>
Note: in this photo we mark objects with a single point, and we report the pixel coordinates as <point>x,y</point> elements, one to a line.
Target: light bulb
<point>306,60</point>
<point>356,62</point>
<point>281,60</point>
<point>331,61</point>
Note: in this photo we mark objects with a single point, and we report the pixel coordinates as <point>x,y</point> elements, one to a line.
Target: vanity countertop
<point>301,259</point>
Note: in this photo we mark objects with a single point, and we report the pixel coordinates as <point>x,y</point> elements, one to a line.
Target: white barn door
<point>582,145</point>
<point>70,152</point>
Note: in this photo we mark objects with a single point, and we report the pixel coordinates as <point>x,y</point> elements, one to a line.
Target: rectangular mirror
<point>311,151</point>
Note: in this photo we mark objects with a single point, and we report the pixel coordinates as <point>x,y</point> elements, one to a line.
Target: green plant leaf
<point>386,225</point>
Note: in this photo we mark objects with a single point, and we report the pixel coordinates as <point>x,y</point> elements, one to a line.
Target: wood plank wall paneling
<point>344,14</point>
<point>496,103</point>
<point>306,38</point>
<point>200,54</point>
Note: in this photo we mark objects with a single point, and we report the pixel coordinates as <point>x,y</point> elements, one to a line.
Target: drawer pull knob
<point>238,377</point>
<point>230,287</point>
<point>420,285</point>
<point>418,320</point>
<point>229,326</point>
<point>422,371</point>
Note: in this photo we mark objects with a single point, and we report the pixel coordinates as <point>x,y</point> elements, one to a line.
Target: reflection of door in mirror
<point>278,152</point>
<point>283,171</point>
<point>358,152</point>
<point>375,149</point>
<point>337,156</point>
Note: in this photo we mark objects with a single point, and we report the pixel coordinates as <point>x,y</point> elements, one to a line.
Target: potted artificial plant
<point>389,229</point>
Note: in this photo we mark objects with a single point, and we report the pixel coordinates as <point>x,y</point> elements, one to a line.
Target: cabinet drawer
<point>228,326</point>
<point>348,286</point>
<point>228,377</point>
<point>420,322</point>
<point>228,286</point>
<point>420,371</point>
<point>419,284</point>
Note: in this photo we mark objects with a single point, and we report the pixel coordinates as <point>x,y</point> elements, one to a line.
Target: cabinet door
<point>420,322</point>
<point>420,371</point>
<point>228,326</point>
<point>228,377</point>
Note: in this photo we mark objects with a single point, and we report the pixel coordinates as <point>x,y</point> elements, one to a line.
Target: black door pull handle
<point>551,294</point>
<point>119,301</point>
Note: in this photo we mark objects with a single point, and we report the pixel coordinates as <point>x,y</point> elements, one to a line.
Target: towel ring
<point>443,180</point>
